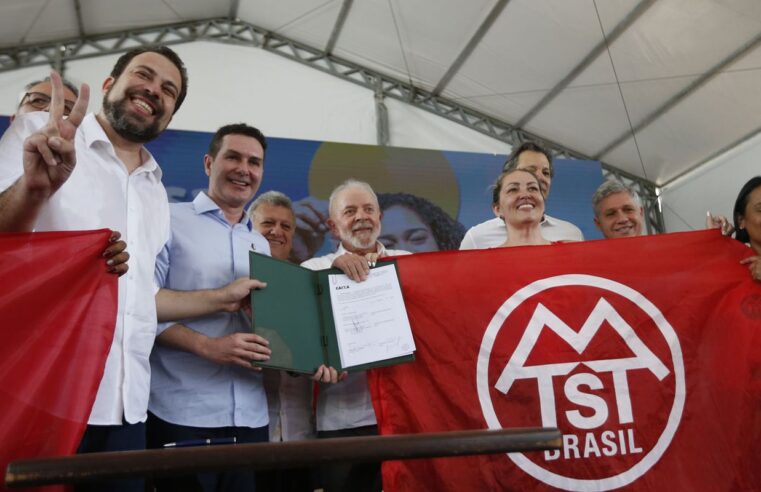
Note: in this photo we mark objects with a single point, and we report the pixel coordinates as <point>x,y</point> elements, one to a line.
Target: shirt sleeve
<point>467,240</point>
<point>162,266</point>
<point>320,263</point>
<point>162,327</point>
<point>160,278</point>
<point>311,264</point>
<point>578,235</point>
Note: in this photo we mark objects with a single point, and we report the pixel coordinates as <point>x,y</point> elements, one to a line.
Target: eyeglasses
<point>41,102</point>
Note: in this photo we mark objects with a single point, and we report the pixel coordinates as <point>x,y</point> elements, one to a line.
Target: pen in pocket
<point>201,442</point>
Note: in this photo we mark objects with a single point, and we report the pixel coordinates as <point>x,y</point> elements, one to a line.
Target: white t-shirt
<point>493,232</point>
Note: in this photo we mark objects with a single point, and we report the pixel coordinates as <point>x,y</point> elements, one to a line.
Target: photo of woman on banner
<point>414,224</point>
<point>424,177</point>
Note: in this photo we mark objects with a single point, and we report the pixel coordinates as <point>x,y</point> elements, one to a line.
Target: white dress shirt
<point>289,400</point>
<point>347,404</point>
<point>101,193</point>
<point>493,232</point>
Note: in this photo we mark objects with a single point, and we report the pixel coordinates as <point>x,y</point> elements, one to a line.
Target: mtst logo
<point>594,358</point>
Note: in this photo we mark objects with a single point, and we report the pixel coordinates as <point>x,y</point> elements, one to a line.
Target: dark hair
<point>447,232</point>
<point>164,51</point>
<point>512,160</point>
<point>497,186</point>
<point>741,204</point>
<point>235,129</point>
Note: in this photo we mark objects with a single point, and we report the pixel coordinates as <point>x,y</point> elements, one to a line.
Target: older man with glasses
<point>37,96</point>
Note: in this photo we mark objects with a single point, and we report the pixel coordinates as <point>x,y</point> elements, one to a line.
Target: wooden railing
<point>183,461</point>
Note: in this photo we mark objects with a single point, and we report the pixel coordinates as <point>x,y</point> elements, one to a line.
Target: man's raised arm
<point>48,159</point>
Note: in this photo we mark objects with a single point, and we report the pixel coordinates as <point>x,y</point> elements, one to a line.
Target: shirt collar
<point>547,220</point>
<point>203,204</point>
<point>93,133</point>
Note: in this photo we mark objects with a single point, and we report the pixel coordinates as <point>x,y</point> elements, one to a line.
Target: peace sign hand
<point>49,155</point>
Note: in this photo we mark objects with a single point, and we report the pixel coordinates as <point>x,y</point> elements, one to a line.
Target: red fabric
<point>58,310</point>
<point>692,282</point>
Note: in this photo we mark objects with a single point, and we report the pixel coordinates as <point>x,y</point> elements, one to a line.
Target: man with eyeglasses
<point>37,96</point>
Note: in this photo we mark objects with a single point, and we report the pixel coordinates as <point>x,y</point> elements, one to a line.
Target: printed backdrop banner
<point>57,316</point>
<point>644,352</point>
<point>457,183</point>
<point>444,191</point>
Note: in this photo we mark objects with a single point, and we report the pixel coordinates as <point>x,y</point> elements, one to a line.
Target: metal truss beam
<point>470,46</point>
<point>683,94</point>
<point>622,26</point>
<point>232,31</point>
<point>233,12</point>
<point>107,44</point>
<point>381,119</point>
<point>338,26</point>
<point>80,22</point>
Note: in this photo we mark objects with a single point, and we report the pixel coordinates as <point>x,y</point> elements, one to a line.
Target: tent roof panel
<point>103,17</point>
<point>57,20</point>
<point>719,114</point>
<point>305,21</point>
<point>497,105</point>
<point>682,37</point>
<point>531,47</point>
<point>18,19</point>
<point>581,117</point>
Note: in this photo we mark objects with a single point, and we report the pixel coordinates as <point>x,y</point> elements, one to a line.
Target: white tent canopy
<point>656,88</point>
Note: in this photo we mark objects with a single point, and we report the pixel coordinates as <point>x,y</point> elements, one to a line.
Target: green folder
<point>294,314</point>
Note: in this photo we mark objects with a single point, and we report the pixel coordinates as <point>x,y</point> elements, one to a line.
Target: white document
<point>371,322</point>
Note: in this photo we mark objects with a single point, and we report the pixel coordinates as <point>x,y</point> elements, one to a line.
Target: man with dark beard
<point>89,172</point>
<point>345,409</point>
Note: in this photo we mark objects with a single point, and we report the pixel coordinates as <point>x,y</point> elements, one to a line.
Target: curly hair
<point>447,232</point>
<point>741,204</point>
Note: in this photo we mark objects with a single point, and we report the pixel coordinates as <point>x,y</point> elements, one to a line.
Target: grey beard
<point>357,244</point>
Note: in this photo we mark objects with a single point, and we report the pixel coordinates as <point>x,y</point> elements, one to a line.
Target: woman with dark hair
<point>414,224</point>
<point>747,219</point>
<point>518,199</point>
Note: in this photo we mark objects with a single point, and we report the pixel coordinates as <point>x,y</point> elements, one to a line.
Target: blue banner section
<point>456,183</point>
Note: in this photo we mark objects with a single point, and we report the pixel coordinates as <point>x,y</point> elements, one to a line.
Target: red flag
<point>645,352</point>
<point>57,312</point>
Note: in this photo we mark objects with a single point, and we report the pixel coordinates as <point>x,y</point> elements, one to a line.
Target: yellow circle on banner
<point>421,172</point>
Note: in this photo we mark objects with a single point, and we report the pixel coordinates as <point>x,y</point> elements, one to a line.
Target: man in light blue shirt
<point>203,383</point>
